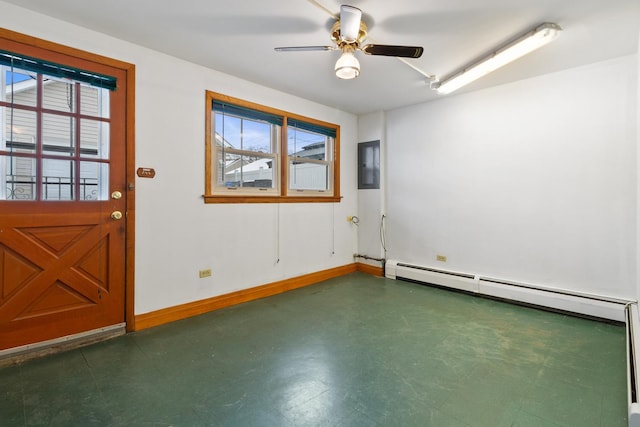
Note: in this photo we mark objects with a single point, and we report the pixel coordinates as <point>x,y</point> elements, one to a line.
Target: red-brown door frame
<point>129,69</point>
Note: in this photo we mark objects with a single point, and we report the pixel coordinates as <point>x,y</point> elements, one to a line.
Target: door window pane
<point>94,101</point>
<point>19,87</point>
<point>19,178</point>
<point>20,130</point>
<point>94,181</point>
<point>57,179</point>
<point>58,134</point>
<point>94,139</point>
<point>58,94</point>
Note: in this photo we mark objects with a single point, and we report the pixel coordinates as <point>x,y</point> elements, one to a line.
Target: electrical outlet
<point>441,258</point>
<point>205,273</point>
<point>353,219</point>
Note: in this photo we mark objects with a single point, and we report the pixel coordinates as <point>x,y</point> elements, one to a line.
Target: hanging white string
<point>295,151</point>
<point>11,111</point>
<point>383,238</point>
<point>223,163</point>
<point>333,228</point>
<point>277,233</point>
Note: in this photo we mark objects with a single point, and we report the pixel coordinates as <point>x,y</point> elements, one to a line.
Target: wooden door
<point>63,203</point>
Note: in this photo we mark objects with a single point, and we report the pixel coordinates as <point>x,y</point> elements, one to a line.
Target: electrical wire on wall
<point>277,261</point>
<point>383,243</point>
<point>333,228</point>
<point>383,239</point>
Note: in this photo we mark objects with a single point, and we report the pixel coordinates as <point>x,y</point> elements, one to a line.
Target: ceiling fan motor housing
<point>337,38</point>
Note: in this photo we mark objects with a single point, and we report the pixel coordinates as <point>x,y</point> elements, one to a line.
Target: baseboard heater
<point>603,307</point>
<point>563,300</point>
<point>633,340</point>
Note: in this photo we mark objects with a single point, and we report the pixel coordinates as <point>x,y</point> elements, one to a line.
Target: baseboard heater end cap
<point>390,269</point>
<point>634,415</point>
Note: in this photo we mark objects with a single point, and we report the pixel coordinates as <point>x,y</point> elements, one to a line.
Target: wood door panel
<point>16,271</point>
<point>57,298</point>
<point>94,265</point>
<point>58,276</point>
<point>56,239</point>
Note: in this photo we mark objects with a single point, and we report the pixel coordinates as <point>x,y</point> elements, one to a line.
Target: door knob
<point>116,215</point>
<point>116,195</point>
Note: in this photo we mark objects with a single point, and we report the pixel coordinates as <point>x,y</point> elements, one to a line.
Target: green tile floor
<point>353,351</point>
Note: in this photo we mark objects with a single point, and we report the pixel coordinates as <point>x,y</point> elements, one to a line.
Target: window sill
<point>271,199</point>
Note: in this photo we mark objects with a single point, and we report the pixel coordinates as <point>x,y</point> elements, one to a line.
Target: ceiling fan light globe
<point>347,66</point>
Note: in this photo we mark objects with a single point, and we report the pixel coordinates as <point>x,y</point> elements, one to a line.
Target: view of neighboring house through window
<point>54,139</point>
<point>257,153</point>
<point>309,156</point>
<point>246,144</point>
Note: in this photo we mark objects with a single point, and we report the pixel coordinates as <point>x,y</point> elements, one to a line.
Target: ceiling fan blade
<point>350,22</point>
<point>390,50</point>
<point>304,48</point>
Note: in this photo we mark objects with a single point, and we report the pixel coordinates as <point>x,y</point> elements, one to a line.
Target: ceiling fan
<point>348,33</point>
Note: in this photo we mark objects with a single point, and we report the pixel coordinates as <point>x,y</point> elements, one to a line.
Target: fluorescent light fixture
<point>534,39</point>
<point>347,66</point>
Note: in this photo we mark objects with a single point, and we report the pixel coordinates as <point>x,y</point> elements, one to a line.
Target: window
<point>259,154</point>
<point>245,143</point>
<point>309,149</point>
<point>54,131</point>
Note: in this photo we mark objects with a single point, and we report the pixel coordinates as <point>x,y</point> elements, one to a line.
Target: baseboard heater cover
<point>574,302</point>
<point>633,340</point>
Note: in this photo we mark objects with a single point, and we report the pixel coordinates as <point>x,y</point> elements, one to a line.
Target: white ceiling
<point>237,37</point>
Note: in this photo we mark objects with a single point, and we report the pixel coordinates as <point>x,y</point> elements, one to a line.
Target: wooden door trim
<point>130,318</point>
<point>129,70</point>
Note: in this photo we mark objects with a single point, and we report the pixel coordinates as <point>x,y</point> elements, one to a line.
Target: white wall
<point>176,233</point>
<point>533,181</point>
<point>371,201</point>
<point>638,178</point>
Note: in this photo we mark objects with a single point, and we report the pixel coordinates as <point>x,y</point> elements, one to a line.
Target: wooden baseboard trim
<point>183,311</point>
<point>370,269</point>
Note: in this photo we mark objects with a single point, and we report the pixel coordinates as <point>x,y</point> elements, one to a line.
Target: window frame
<point>282,193</point>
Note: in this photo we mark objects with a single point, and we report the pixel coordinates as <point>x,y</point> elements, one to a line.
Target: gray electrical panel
<point>369,165</point>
